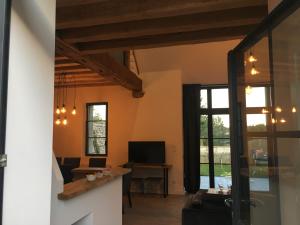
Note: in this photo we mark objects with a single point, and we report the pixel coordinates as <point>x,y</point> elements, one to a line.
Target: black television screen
<point>146,151</point>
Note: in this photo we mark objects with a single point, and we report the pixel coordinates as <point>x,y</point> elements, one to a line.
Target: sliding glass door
<point>5,8</point>
<point>265,117</point>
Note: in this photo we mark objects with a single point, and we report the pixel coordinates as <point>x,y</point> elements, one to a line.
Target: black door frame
<point>5,11</point>
<point>280,13</point>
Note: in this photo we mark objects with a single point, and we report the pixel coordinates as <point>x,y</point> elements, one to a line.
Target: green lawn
<point>225,170</point>
<point>220,170</point>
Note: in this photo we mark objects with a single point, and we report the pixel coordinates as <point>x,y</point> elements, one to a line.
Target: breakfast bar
<point>81,186</point>
<point>83,202</point>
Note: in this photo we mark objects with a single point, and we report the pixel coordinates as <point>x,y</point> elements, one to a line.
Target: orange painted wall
<point>156,116</point>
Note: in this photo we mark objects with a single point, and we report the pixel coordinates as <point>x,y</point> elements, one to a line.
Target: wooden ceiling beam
<point>85,84</point>
<point>71,68</point>
<point>88,73</point>
<point>194,22</point>
<point>57,65</point>
<point>221,34</point>
<point>68,3</point>
<point>117,11</point>
<point>102,64</point>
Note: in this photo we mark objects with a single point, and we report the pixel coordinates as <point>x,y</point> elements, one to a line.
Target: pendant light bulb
<point>282,120</point>
<point>74,111</point>
<point>63,109</point>
<point>58,121</point>
<point>254,71</point>
<point>252,58</point>
<point>57,111</point>
<point>65,121</point>
<point>294,110</point>
<point>248,90</point>
<point>278,109</point>
<point>273,121</point>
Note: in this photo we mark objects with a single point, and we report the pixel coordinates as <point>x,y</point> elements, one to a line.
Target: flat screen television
<point>146,151</point>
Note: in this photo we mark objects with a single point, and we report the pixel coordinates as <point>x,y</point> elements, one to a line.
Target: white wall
<point>27,184</point>
<point>204,63</point>
<point>156,116</point>
<point>101,206</point>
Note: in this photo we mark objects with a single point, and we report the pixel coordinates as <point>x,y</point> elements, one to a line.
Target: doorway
<point>5,7</point>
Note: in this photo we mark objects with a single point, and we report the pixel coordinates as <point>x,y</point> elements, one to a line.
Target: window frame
<point>87,136</point>
<point>210,112</point>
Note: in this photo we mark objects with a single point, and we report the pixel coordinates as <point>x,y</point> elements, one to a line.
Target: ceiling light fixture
<point>248,90</point>
<point>251,58</point>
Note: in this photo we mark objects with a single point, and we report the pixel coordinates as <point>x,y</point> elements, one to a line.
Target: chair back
<point>97,162</point>
<point>73,162</point>
<point>127,182</point>
<point>59,160</point>
<point>127,178</point>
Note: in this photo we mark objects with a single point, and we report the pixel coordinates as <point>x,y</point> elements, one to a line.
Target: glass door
<point>5,8</point>
<point>265,118</point>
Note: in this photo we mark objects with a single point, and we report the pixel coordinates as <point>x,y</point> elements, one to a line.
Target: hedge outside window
<point>96,129</point>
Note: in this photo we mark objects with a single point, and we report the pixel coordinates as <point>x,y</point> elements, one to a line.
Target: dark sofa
<point>206,209</point>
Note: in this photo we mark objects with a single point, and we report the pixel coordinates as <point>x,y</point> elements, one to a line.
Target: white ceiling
<point>199,63</point>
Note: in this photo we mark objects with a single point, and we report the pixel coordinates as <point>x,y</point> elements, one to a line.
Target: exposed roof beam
<point>116,11</point>
<point>195,37</point>
<point>194,22</point>
<point>102,64</point>
<point>86,84</point>
<point>68,3</point>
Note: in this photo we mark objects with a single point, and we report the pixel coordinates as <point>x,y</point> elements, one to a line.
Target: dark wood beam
<point>68,3</point>
<point>86,84</point>
<point>78,74</point>
<point>65,64</point>
<point>71,69</point>
<point>102,64</point>
<point>88,73</point>
<point>195,22</point>
<point>117,11</point>
<point>210,35</point>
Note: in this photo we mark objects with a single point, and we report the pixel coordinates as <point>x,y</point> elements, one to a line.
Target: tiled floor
<point>154,210</point>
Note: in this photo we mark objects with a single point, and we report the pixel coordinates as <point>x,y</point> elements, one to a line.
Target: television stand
<point>157,166</point>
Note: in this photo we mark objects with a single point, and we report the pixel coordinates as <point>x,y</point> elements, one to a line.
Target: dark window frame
<point>210,112</point>
<point>87,136</point>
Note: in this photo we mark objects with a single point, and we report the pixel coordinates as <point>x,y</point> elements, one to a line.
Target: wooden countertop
<point>78,187</point>
<point>86,170</point>
<point>152,165</point>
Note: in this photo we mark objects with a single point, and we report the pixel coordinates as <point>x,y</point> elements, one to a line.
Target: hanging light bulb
<point>265,111</point>
<point>57,111</point>
<point>294,110</point>
<point>58,121</point>
<point>254,71</point>
<point>74,104</point>
<point>278,109</point>
<point>282,120</point>
<point>252,58</point>
<point>248,90</point>
<point>65,121</point>
<point>74,111</point>
<point>273,121</point>
<point>63,109</point>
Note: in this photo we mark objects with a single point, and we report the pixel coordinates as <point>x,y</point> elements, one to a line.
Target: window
<point>96,129</point>
<point>259,136</point>
<point>215,156</point>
